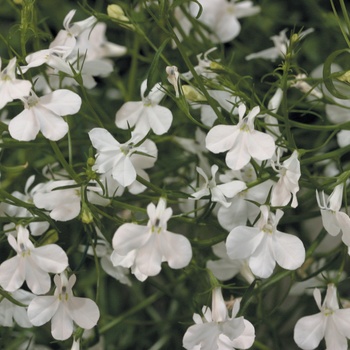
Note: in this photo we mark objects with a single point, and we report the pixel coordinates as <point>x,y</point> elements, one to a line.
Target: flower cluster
<point>156,153</point>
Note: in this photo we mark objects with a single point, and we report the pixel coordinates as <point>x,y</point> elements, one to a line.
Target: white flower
<point>36,228</point>
<point>225,268</point>
<point>45,114</point>
<point>333,219</point>
<point>67,37</point>
<point>94,45</point>
<point>300,84</point>
<point>31,264</point>
<point>122,160</point>
<point>287,185</point>
<point>63,308</point>
<point>221,17</point>
<point>242,209</point>
<point>10,87</point>
<point>217,330</point>
<point>281,43</point>
<point>148,246</point>
<point>263,245</point>
<point>11,313</point>
<point>218,193</point>
<point>146,114</point>
<point>343,138</point>
<point>54,57</point>
<point>332,324</point>
<point>63,199</point>
<point>241,141</point>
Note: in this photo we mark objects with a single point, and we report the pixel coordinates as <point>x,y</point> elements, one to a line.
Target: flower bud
<point>116,12</point>
<point>86,214</point>
<point>192,94</point>
<point>345,77</point>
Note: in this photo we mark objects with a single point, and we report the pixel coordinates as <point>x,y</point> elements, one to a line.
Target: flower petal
<point>12,273</point>
<point>103,141</point>
<point>62,323</point>
<point>176,249</point>
<point>221,138</point>
<point>288,250</point>
<point>41,309</point>
<point>242,241</point>
<point>52,126</point>
<point>84,312</point>
<point>61,102</point>
<point>129,237</point>
<point>25,126</point>
<point>309,331</point>
<point>51,258</point>
<point>129,113</point>
<point>149,257</point>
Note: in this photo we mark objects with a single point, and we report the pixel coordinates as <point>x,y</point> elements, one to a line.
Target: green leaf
<point>153,73</point>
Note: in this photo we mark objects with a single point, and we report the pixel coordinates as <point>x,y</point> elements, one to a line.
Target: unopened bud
<point>173,78</point>
<point>86,214</point>
<point>192,94</point>
<point>345,77</point>
<point>116,12</point>
<point>294,38</point>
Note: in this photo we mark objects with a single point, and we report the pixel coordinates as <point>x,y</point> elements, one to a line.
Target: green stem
<point>64,163</point>
<point>149,301</point>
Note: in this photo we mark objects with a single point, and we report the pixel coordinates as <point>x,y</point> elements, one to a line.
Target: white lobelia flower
<point>55,58</point>
<point>45,114</point>
<point>63,198</point>
<point>332,324</point>
<point>67,37</point>
<point>333,220</point>
<point>122,159</point>
<point>146,114</point>
<point>31,264</point>
<point>263,245</point>
<point>63,308</point>
<point>343,138</point>
<point>93,44</point>
<point>10,87</point>
<point>218,193</point>
<point>11,313</point>
<point>241,141</point>
<point>288,183</point>
<point>36,228</point>
<point>281,43</point>
<point>225,268</point>
<point>243,208</point>
<point>221,17</point>
<point>217,330</point>
<point>148,246</point>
